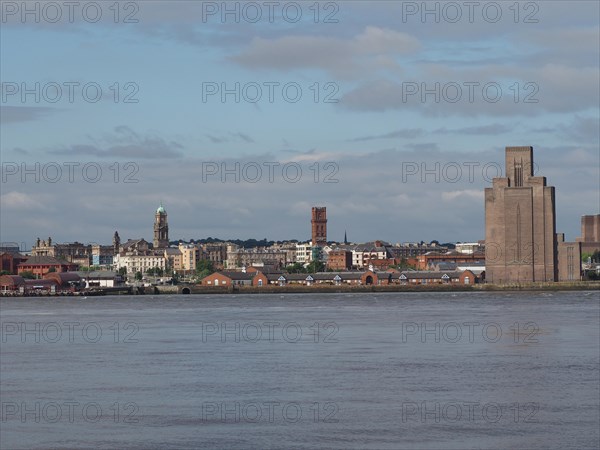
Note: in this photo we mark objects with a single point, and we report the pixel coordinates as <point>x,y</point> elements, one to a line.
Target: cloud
<point>16,114</point>
<point>570,45</point>
<point>567,88</point>
<point>468,193</point>
<point>21,201</point>
<point>581,129</point>
<point>492,129</point>
<point>404,134</point>
<point>243,137</point>
<point>20,151</point>
<point>499,91</point>
<point>215,139</point>
<point>426,146</point>
<point>376,41</point>
<point>412,133</point>
<point>231,137</point>
<point>344,57</point>
<point>125,143</point>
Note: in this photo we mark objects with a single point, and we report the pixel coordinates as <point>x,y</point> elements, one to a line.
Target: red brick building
<point>305,279</point>
<point>228,279</point>
<point>41,265</point>
<point>441,277</point>
<point>381,264</point>
<point>10,262</point>
<point>65,280</point>
<point>424,261</point>
<point>339,260</point>
<point>11,283</point>
<point>332,278</point>
<point>52,282</point>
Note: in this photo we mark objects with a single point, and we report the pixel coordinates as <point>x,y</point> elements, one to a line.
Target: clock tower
<point>161,228</point>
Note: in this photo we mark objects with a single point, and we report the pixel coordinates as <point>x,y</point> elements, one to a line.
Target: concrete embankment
<point>330,289</point>
<point>542,286</point>
<point>302,289</point>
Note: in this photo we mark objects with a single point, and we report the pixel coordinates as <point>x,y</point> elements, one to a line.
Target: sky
<point>240,116</point>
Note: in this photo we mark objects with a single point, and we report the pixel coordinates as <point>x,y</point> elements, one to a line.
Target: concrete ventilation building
<point>161,228</point>
<point>520,224</point>
<point>590,228</point>
<point>590,233</point>
<point>319,226</point>
<point>569,259</point>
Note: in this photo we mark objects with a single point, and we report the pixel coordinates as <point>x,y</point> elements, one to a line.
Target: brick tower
<point>319,226</point>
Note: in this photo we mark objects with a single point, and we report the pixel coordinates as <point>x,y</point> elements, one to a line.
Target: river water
<point>393,370</point>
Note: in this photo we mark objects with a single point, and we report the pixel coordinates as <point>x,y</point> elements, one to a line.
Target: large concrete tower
<point>520,224</point>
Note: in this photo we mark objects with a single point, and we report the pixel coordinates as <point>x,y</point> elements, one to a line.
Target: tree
<point>204,268</point>
<point>122,271</point>
<point>5,272</point>
<point>404,265</point>
<point>593,257</point>
<point>52,269</point>
<point>315,266</point>
<point>295,268</point>
<point>27,274</point>
<point>156,271</point>
<point>138,276</point>
<point>591,274</point>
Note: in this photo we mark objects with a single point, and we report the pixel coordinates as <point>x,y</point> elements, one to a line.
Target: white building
<point>100,278</point>
<point>140,262</point>
<point>371,250</point>
<point>303,252</point>
<point>477,269</point>
<point>468,248</point>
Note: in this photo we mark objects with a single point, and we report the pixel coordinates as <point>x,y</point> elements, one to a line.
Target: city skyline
<point>146,232</point>
<point>162,129</point>
<point>404,204</point>
<point>161,222</point>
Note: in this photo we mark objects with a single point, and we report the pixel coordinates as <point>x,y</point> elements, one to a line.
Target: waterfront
<point>373,370</point>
